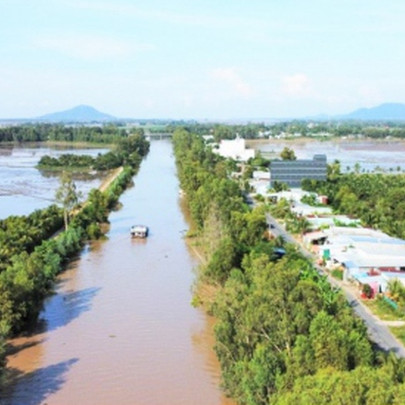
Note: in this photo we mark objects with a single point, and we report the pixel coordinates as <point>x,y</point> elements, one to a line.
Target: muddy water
<point>24,188</point>
<point>120,328</point>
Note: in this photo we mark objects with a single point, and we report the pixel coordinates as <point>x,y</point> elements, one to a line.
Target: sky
<point>200,59</point>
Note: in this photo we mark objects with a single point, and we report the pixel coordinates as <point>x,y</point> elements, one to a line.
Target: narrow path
<point>110,178</point>
<point>103,187</point>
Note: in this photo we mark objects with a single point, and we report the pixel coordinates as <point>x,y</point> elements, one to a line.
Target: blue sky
<point>200,59</point>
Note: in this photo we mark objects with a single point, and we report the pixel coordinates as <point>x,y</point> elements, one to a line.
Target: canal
<point>120,328</point>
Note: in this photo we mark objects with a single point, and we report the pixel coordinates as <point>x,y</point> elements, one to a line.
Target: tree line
<point>32,259</point>
<point>127,151</point>
<point>294,128</point>
<point>283,334</point>
<point>62,133</point>
<point>111,133</point>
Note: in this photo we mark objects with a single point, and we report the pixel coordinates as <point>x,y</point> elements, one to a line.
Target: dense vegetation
<point>61,133</point>
<point>112,133</point>
<point>128,151</point>
<point>377,199</point>
<point>23,233</point>
<point>283,335</point>
<point>31,259</point>
<point>321,129</point>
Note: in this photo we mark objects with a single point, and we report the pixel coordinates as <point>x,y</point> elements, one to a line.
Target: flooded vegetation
<point>23,188</point>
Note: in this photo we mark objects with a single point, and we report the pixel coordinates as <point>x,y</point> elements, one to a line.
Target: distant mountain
<point>81,113</point>
<point>387,111</point>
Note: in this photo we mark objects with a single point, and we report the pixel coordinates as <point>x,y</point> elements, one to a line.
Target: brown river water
<point>119,328</point>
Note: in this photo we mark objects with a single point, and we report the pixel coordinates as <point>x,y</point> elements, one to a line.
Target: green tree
<point>67,196</point>
<point>288,154</point>
<point>334,171</point>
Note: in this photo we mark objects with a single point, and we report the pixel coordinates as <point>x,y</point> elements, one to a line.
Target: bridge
<point>158,135</point>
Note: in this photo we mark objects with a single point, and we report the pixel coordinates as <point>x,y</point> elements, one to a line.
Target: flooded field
<point>388,155</point>
<point>120,328</point>
<point>23,188</point>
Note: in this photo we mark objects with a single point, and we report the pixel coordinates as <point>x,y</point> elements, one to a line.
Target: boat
<point>139,231</point>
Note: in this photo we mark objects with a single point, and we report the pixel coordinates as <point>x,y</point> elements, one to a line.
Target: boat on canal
<point>139,231</point>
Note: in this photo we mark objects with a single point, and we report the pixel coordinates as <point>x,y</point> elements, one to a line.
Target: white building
<point>364,252</point>
<point>235,149</point>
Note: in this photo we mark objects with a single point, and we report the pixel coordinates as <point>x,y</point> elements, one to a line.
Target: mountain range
<point>382,112</point>
<point>81,113</point>
<point>88,114</point>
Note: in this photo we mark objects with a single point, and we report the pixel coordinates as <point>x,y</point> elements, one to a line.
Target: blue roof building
<point>292,172</point>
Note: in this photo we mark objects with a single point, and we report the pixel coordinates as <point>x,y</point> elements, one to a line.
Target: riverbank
<point>28,278</point>
<point>120,320</point>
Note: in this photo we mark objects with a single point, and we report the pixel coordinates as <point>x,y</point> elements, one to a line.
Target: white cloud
<point>90,47</point>
<point>234,80</point>
<point>297,85</point>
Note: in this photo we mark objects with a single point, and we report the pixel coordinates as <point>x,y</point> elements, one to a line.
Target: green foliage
<point>129,151</point>
<point>23,233</point>
<point>223,132</point>
<point>397,291</point>
<point>365,385</point>
<point>224,259</point>
<point>48,132</point>
<point>311,200</point>
<point>67,196</point>
<point>378,200</point>
<point>279,186</point>
<point>66,160</point>
<point>205,179</point>
<point>283,334</point>
<point>337,273</point>
<point>31,259</point>
<point>288,154</point>
<point>118,186</point>
<point>367,291</point>
<point>259,161</point>
<point>297,224</point>
<point>281,209</point>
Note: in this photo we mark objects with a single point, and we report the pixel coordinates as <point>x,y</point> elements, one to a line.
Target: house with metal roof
<point>363,252</point>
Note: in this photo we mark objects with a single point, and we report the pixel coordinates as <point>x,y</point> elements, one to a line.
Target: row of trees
<point>281,330</point>
<point>376,130</point>
<point>372,129</point>
<point>62,133</point>
<point>111,133</point>
<point>29,273</point>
